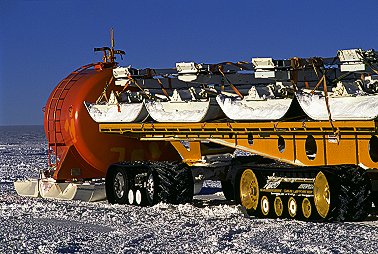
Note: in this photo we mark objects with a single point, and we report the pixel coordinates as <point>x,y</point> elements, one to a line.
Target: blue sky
<point>43,41</point>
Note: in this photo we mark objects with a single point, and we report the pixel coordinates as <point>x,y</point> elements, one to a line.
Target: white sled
<point>117,112</point>
<point>48,188</point>
<point>344,102</point>
<point>27,188</point>
<point>258,105</point>
<point>181,109</point>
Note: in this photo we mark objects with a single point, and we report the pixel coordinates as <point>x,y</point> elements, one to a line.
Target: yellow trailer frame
<point>307,143</point>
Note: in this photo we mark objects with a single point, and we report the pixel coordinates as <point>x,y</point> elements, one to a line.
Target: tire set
<point>148,183</point>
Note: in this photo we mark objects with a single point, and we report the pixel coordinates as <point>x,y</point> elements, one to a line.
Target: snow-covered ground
<point>30,225</point>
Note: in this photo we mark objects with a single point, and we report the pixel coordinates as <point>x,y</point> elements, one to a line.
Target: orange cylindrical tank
<point>82,151</point>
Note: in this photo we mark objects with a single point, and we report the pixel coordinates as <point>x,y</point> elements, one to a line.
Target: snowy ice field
<point>30,225</point>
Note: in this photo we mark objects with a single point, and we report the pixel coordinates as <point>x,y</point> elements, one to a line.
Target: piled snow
<point>342,108</point>
<point>188,111</point>
<point>270,109</point>
<point>115,113</point>
<point>32,225</point>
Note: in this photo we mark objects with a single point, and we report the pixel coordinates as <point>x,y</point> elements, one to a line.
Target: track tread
<point>184,184</point>
<point>166,182</point>
<point>228,190</point>
<point>352,188</point>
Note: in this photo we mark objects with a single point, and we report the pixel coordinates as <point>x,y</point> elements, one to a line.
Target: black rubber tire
<point>374,199</point>
<point>175,182</point>
<point>165,182</point>
<point>350,194</point>
<point>228,190</point>
<point>184,184</point>
<point>109,186</point>
<point>147,200</point>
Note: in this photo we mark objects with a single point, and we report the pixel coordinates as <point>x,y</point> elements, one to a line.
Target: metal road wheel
<point>151,185</point>
<point>322,195</point>
<point>119,185</point>
<point>306,208</point>
<point>249,190</point>
<point>130,197</point>
<point>148,194</point>
<point>265,207</point>
<point>292,207</point>
<point>138,197</point>
<point>278,206</point>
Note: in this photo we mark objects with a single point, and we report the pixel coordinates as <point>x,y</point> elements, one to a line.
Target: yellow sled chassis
<point>298,143</point>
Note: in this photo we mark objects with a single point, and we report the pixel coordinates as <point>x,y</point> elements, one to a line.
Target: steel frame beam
<point>299,143</point>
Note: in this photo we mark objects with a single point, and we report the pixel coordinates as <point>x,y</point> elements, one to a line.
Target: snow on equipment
<point>355,99</point>
<point>347,101</point>
<point>143,136</point>
<point>130,108</point>
<point>76,149</point>
<point>114,111</point>
<point>269,102</point>
<point>184,106</point>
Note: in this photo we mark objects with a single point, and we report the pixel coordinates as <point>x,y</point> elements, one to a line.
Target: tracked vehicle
<point>143,136</point>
